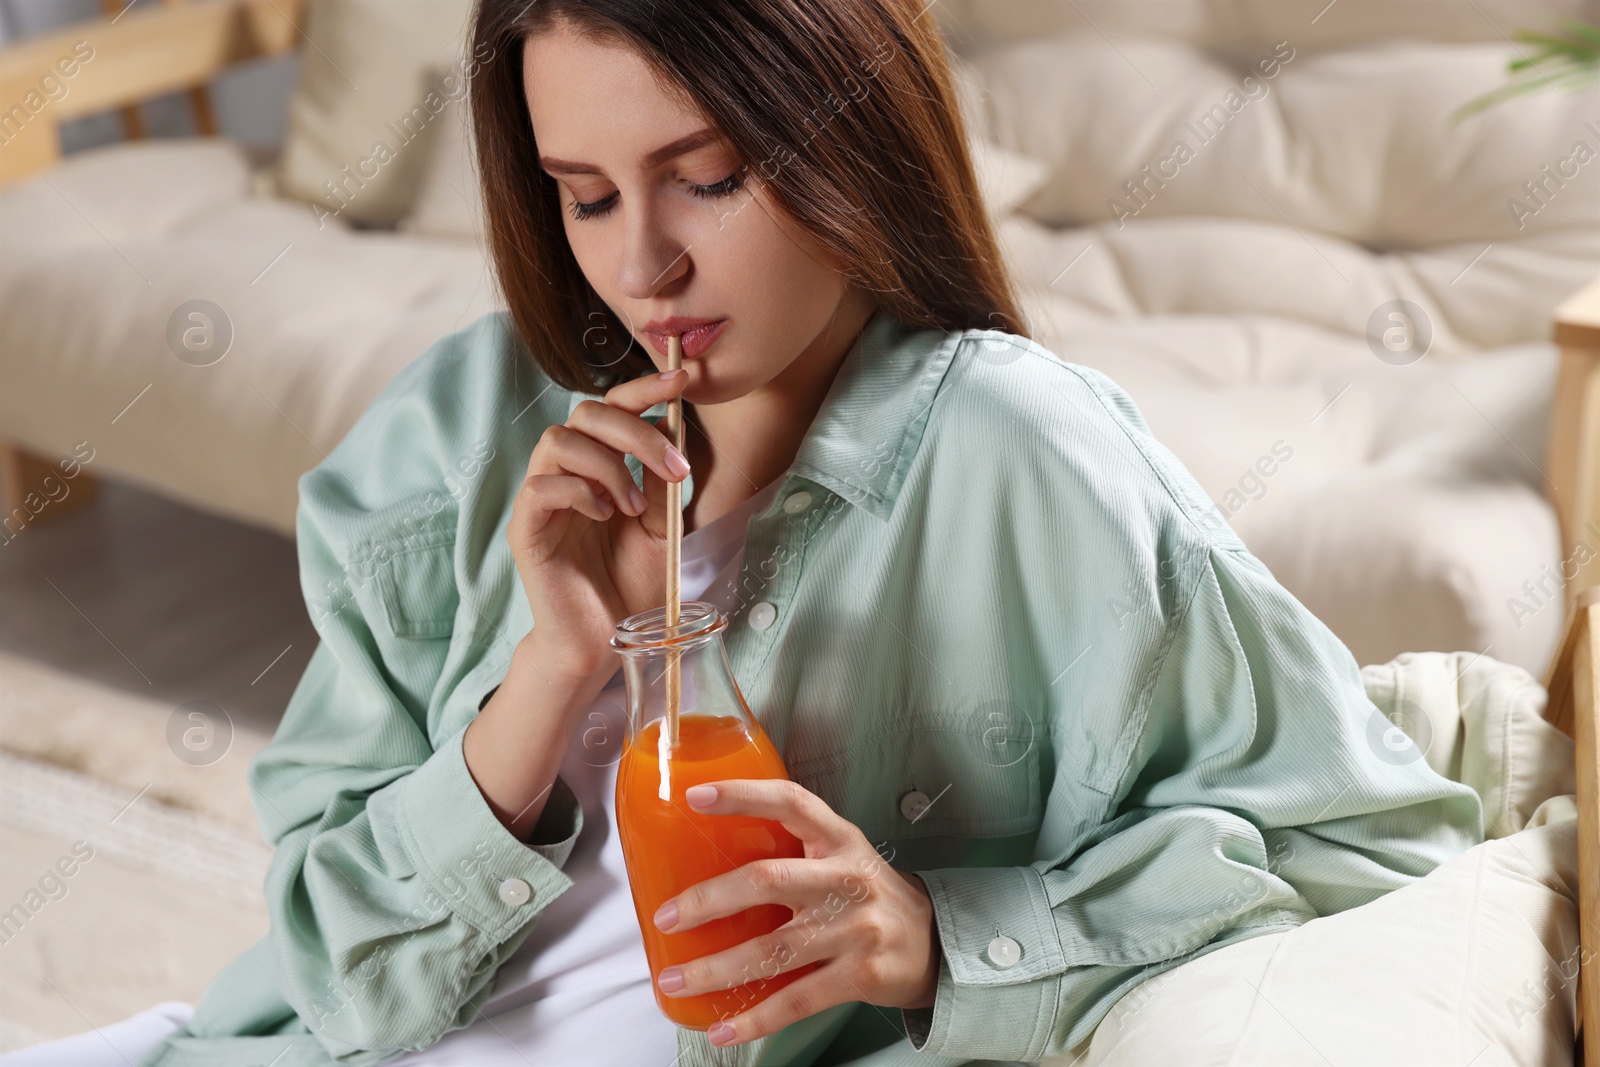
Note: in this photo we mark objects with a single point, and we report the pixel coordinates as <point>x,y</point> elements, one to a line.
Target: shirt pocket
<point>960,776</point>
<point>409,571</point>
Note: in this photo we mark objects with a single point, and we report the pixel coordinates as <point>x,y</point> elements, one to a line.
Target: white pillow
<point>1476,963</point>
<point>449,202</point>
<point>363,78</point>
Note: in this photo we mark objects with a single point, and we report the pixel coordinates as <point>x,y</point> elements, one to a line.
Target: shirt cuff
<point>989,1023</point>
<point>467,857</point>
<point>984,1006</point>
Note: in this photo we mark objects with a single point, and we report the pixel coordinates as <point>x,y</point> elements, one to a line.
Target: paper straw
<point>674,548</point>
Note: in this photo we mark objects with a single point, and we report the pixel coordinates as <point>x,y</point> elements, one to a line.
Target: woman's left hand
<point>870,927</point>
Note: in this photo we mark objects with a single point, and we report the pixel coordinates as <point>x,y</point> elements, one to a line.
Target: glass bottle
<point>667,845</point>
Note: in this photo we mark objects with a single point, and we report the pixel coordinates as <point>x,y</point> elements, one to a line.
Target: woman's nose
<point>653,260</point>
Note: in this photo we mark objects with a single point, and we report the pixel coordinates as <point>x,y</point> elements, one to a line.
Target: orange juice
<point>670,847</point>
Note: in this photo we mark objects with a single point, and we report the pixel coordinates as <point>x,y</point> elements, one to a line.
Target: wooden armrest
<point>1573,684</point>
<point>118,61</point>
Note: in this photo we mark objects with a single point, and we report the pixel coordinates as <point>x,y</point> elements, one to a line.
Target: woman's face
<point>661,222</point>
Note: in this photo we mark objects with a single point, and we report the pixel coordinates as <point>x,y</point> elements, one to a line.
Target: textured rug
<point>192,756</point>
<point>130,863</point>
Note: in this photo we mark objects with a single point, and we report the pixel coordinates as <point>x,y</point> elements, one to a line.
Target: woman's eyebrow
<point>699,139</point>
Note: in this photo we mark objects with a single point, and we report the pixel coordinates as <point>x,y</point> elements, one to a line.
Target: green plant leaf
<point>1569,60</point>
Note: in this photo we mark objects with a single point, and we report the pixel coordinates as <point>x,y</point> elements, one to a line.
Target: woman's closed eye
<point>581,210</point>
<point>596,208</point>
<point>726,187</point>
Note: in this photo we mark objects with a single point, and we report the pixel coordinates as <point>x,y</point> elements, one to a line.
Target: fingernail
<point>676,463</point>
<point>636,498</point>
<point>670,980</point>
<point>720,1033</point>
<point>666,919</point>
<point>700,796</point>
<point>673,375</point>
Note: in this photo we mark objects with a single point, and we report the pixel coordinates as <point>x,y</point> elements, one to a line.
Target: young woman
<point>1053,729</point>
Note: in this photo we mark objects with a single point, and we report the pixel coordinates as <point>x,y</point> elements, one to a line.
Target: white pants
<point>116,1045</point>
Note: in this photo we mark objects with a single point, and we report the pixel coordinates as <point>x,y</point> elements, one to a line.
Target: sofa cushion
<point>1243,28</point>
<point>364,108</point>
<point>1404,503</point>
<point>1357,144</point>
<point>124,192</point>
<point>321,318</point>
<point>1202,265</point>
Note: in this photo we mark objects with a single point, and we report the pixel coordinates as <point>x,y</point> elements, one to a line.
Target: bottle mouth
<point>649,629</point>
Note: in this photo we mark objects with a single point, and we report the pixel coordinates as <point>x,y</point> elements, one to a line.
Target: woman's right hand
<point>589,548</point>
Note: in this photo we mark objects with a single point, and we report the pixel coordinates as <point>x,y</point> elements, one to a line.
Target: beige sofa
<point>1387,460</point>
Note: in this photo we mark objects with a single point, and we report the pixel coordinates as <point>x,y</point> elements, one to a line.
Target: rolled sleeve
<point>466,855</point>
<point>961,1011</point>
<point>977,996</point>
<point>394,892</point>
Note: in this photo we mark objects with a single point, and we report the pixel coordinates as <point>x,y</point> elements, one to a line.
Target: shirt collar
<point>867,430</point>
<point>869,426</point>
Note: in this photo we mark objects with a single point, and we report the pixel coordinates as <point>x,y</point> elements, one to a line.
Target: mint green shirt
<point>1013,642</point>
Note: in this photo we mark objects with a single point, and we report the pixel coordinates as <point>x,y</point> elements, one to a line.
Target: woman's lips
<point>695,341</point>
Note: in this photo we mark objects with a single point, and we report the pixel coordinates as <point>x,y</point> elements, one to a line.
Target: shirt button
<point>913,804</point>
<point>1004,951</point>
<point>761,615</point>
<point>797,502</point>
<point>515,891</point>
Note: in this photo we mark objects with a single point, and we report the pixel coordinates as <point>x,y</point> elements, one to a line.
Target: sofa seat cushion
<point>104,250</point>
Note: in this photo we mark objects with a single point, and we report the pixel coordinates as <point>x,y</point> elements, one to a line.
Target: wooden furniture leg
<point>37,489</point>
<point>1573,707</point>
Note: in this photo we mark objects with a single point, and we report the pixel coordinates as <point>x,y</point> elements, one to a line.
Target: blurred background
<point>1341,255</point>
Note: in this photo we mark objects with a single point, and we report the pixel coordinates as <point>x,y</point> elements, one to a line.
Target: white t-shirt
<point>579,989</point>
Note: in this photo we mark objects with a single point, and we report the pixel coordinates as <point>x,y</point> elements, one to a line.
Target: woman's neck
<point>736,448</point>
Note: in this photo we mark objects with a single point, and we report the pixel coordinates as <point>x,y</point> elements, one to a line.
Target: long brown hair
<point>844,109</point>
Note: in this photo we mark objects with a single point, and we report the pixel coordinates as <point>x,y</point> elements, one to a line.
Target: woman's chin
<point>707,393</point>
<point>707,386</point>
